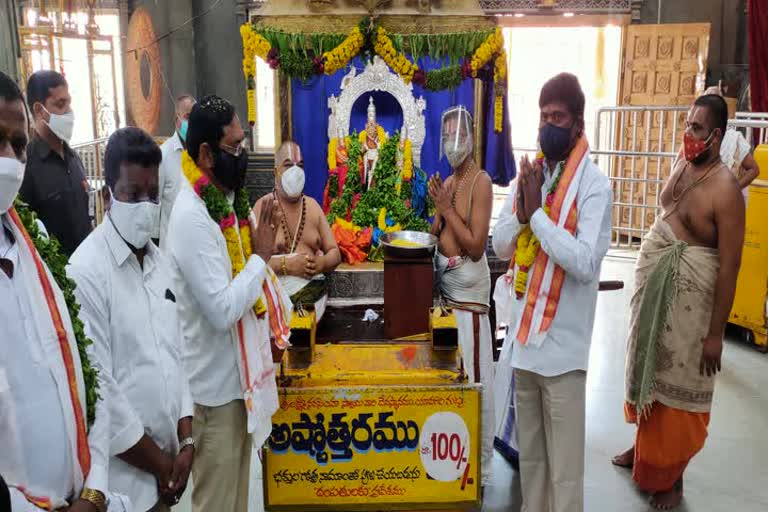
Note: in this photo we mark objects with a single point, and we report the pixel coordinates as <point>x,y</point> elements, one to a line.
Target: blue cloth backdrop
<point>310,124</point>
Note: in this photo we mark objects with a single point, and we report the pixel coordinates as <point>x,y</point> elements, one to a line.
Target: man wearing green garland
<point>54,428</point>
<point>227,295</point>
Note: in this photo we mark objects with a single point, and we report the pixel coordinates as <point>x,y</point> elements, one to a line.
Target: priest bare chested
<point>304,244</point>
<point>461,223</point>
<point>685,280</point>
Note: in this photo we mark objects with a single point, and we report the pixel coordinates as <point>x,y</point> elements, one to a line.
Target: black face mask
<point>555,142</point>
<point>229,169</point>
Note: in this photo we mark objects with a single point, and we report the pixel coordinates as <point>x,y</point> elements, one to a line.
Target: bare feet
<point>667,500</point>
<point>625,460</point>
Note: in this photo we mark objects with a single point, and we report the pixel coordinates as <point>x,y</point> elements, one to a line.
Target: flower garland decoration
<point>380,133</point>
<point>528,244</point>
<point>253,45</point>
<point>50,252</point>
<point>232,219</point>
<point>407,172</point>
<point>486,51</point>
<point>399,63</point>
<point>500,79</point>
<point>303,54</point>
<point>339,57</point>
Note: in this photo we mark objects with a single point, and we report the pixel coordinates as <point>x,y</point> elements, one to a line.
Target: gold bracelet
<point>96,498</point>
<point>284,267</point>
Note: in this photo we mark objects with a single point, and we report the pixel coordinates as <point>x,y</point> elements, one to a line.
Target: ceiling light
<point>519,15</point>
<point>568,14</point>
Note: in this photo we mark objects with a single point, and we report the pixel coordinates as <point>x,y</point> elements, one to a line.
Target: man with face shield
<point>463,215</point>
<point>556,227</point>
<point>52,459</point>
<point>128,305</point>
<point>685,281</point>
<point>304,247</point>
<point>230,304</point>
<point>54,184</point>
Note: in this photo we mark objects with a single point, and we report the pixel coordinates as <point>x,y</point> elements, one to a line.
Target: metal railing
<point>636,147</point>
<point>754,126</point>
<point>92,155</point>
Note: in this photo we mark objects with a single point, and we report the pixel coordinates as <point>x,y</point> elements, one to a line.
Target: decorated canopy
<point>444,61</point>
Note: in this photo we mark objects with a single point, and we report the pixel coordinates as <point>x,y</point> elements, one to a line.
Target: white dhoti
<point>465,286</point>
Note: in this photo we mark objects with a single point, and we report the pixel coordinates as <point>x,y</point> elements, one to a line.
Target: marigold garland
<point>407,172</point>
<point>382,135</point>
<point>498,113</point>
<point>232,219</point>
<point>528,244</point>
<point>488,49</point>
<point>253,45</point>
<point>397,61</point>
<point>340,56</point>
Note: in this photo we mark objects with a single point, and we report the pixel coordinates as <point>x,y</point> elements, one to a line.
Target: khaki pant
<point>550,420</point>
<point>222,464</point>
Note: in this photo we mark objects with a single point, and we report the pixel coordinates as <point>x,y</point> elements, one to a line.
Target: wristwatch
<point>188,441</point>
<point>96,498</point>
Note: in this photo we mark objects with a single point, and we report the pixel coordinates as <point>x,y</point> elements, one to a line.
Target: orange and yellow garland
<point>237,232</point>
<point>528,244</point>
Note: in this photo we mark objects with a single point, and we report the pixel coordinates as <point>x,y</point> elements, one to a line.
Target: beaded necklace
<point>299,225</point>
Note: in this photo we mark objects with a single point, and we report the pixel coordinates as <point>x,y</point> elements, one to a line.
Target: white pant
<point>468,323</point>
<point>550,421</point>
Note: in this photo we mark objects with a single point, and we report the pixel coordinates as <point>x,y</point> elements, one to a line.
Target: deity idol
<point>338,156</point>
<point>371,144</point>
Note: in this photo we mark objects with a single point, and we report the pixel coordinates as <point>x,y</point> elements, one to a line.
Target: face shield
<point>456,141</point>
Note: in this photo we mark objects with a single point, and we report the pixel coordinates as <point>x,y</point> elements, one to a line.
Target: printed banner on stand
<point>381,448</point>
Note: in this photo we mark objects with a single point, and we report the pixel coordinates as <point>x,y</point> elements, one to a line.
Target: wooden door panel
<point>663,65</point>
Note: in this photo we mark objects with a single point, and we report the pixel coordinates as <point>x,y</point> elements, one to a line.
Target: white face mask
<point>457,155</point>
<point>135,222</point>
<point>62,125</point>
<point>293,182</point>
<point>11,176</point>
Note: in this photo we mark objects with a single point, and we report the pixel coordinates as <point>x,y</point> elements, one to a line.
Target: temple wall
<point>9,47</point>
<point>176,53</point>
<point>728,39</point>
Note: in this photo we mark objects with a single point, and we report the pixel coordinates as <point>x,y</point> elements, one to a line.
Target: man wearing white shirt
<point>216,304</point>
<point>565,202</point>
<point>170,178</point>
<point>125,290</point>
<point>52,457</point>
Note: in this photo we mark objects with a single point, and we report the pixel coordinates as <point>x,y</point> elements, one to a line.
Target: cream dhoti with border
<point>465,286</point>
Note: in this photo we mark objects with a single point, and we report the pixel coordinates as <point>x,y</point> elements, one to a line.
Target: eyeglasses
<point>234,150</point>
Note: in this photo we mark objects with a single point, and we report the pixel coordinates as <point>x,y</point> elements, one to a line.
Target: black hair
<point>207,121</point>
<point>129,145</point>
<point>718,111</point>
<point>564,88</point>
<point>9,90</point>
<point>40,84</point>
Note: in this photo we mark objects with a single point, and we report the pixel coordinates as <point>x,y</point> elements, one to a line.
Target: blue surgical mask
<point>555,142</point>
<point>183,130</point>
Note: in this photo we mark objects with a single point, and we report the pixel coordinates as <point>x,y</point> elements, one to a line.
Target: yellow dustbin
<point>749,304</point>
